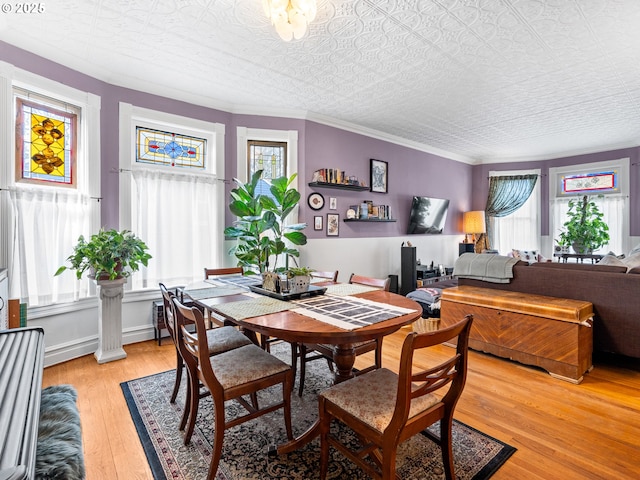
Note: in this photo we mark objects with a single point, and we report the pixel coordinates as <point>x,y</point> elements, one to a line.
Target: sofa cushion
<point>610,259</point>
<point>634,250</point>
<point>530,256</point>
<point>632,261</point>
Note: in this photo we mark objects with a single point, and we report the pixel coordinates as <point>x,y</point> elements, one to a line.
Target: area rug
<point>245,451</point>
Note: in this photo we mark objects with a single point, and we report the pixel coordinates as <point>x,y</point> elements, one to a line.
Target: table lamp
<point>473,223</point>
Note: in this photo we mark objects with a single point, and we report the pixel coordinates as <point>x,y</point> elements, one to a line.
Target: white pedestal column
<point>110,293</point>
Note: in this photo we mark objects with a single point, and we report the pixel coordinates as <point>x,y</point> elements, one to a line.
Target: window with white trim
<point>281,146</point>
<point>521,229</point>
<point>171,193</point>
<point>607,184</point>
<point>286,143</point>
<point>50,192</point>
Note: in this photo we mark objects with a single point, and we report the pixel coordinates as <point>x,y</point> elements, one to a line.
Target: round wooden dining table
<point>293,327</point>
<point>296,328</point>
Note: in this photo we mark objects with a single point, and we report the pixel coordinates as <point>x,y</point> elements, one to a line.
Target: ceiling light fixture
<point>290,17</point>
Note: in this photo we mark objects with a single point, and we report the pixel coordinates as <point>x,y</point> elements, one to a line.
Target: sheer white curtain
<point>176,214</point>
<point>521,229</point>
<point>46,224</point>
<point>613,209</point>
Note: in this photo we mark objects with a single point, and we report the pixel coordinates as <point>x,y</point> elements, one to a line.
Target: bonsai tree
<point>260,228</point>
<point>584,230</point>
<point>109,254</point>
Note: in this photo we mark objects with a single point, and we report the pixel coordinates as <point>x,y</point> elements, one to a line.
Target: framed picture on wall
<point>317,222</point>
<point>379,176</point>
<point>333,224</point>
<point>333,203</point>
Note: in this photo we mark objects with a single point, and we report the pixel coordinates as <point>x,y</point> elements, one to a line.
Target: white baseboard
<point>55,354</point>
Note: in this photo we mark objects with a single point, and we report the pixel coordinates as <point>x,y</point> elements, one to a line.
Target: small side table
<point>562,257</point>
<point>157,316</point>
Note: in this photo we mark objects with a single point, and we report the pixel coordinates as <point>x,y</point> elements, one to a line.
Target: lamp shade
<point>473,222</point>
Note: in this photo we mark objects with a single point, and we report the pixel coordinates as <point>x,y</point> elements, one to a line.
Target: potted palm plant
<point>585,229</point>
<point>260,227</point>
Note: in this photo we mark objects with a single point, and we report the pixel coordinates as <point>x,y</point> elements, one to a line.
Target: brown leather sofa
<point>615,296</point>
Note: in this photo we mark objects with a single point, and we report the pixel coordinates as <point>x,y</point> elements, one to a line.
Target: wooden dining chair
<point>331,276</point>
<point>230,376</point>
<point>212,272</point>
<point>326,351</point>
<point>264,340</point>
<point>167,312</point>
<point>404,405</point>
<point>382,283</point>
<point>220,340</point>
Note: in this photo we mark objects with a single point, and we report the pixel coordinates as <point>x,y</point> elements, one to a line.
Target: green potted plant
<point>299,271</point>
<point>260,226</point>
<point>299,279</point>
<point>107,255</point>
<point>584,229</point>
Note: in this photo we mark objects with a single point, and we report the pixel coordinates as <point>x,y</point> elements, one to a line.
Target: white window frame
<point>88,155</point>
<point>537,187</point>
<point>243,134</point>
<point>130,116</point>
<point>621,165</point>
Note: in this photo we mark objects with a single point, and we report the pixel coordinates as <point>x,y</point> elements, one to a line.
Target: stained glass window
<point>46,142</point>
<point>597,183</point>
<point>268,156</point>
<point>170,149</point>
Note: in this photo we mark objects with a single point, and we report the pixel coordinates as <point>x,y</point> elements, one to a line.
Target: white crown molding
<point>181,95</point>
<point>342,125</point>
<point>564,154</point>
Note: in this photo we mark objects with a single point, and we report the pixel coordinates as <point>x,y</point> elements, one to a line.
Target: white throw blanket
<point>490,268</point>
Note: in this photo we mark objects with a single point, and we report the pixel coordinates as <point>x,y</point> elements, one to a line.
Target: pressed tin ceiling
<point>474,80</point>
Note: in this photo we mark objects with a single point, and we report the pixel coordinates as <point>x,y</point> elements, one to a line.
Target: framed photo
<point>379,176</point>
<point>315,201</point>
<point>333,203</point>
<point>333,223</point>
<point>317,222</point>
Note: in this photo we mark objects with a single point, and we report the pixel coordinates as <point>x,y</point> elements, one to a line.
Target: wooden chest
<point>552,333</point>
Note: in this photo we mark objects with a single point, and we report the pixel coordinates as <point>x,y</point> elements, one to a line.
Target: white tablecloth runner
<point>348,313</point>
<point>252,307</point>
<point>342,289</point>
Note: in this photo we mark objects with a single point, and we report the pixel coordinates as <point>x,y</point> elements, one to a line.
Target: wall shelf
<point>372,220</point>
<point>339,186</point>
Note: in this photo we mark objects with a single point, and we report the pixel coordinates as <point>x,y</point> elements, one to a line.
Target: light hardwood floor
<point>562,431</point>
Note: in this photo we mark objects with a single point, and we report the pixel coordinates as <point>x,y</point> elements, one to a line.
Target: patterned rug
<point>245,450</point>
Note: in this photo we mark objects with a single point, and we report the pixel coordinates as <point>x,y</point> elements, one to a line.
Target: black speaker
<point>408,261</point>
<point>466,248</point>
<point>393,283</point>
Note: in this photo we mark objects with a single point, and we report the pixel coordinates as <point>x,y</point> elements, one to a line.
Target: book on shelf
<point>380,212</point>
<point>335,175</point>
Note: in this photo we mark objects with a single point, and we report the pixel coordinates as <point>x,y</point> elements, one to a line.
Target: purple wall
<point>411,172</point>
<point>481,183</point>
